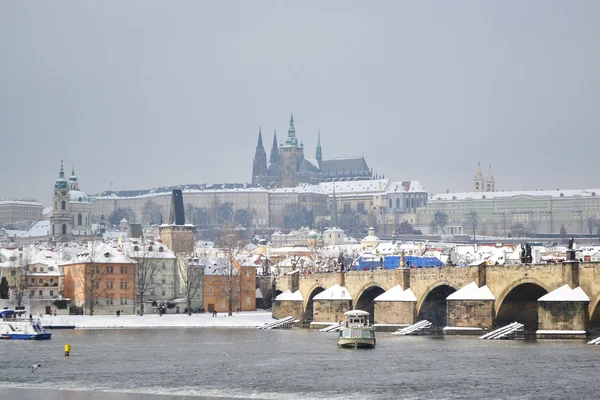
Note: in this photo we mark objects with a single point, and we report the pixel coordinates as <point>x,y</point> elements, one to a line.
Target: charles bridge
<point>515,290</point>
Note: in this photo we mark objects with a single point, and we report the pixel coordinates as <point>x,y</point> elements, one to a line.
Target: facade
<point>46,282</point>
<point>517,213</point>
<point>101,275</point>
<point>289,167</point>
<point>14,212</point>
<point>219,280</point>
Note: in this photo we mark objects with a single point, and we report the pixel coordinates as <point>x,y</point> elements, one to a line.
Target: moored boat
<point>12,326</point>
<point>356,331</point>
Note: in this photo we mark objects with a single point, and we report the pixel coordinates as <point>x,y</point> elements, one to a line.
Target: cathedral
<point>288,167</point>
<point>484,185</point>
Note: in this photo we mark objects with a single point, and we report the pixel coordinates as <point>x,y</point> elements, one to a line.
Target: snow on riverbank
<point>246,319</point>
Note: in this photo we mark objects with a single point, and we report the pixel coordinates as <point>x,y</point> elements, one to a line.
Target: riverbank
<point>245,319</point>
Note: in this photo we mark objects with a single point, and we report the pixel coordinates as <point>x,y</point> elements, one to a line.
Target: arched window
<point>79,220</point>
<point>64,228</point>
<point>412,203</point>
<point>406,204</point>
<point>63,205</point>
<point>390,203</point>
<point>397,203</point>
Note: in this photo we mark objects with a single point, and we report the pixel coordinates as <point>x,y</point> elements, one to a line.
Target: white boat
<point>356,331</point>
<point>12,326</point>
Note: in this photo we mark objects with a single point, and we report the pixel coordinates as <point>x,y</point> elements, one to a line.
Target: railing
<point>283,323</point>
<point>413,329</point>
<point>509,331</point>
<point>331,328</point>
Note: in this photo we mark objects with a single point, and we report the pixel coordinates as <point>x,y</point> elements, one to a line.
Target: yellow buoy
<point>67,349</point>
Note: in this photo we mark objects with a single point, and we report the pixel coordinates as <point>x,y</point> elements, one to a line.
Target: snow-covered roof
<point>349,187</point>
<point>289,296</point>
<point>100,252</point>
<point>77,196</point>
<point>336,292</point>
<point>397,294</point>
<point>359,313</point>
<point>524,193</point>
<point>565,293</point>
<point>406,187</point>
<point>472,292</point>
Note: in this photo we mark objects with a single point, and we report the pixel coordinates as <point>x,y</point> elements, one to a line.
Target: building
<point>20,213</point>
<point>100,277</point>
<point>289,167</point>
<point>484,185</point>
<point>226,277</point>
<point>517,213</point>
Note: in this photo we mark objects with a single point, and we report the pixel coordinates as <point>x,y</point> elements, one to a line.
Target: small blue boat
<point>13,326</point>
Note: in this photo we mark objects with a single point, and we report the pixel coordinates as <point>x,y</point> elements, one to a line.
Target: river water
<point>160,364</point>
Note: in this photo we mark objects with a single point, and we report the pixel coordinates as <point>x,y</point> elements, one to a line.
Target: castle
<point>288,166</point>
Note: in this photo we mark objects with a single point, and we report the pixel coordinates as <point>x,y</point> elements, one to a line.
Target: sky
<point>141,94</point>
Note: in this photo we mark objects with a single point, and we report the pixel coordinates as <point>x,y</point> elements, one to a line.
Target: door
<point>211,308</point>
<point>48,310</point>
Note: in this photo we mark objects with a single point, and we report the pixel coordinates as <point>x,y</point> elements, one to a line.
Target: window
<point>110,269</point>
<point>123,270</point>
<point>222,290</point>
<point>97,269</point>
<point>63,205</point>
<point>210,290</point>
<point>125,300</point>
<point>164,293</point>
<point>109,285</point>
<point>248,286</point>
<point>32,280</point>
<point>34,269</point>
<point>248,301</point>
<point>52,293</point>
<point>79,220</point>
<point>64,227</point>
<point>248,274</point>
<point>41,280</point>
<point>164,266</point>
<point>121,300</point>
<point>41,292</point>
<point>164,280</point>
<point>107,301</point>
<point>123,285</point>
<point>222,304</point>
<point>13,272</point>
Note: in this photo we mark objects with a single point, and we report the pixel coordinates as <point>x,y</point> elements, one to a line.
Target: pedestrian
<point>30,317</point>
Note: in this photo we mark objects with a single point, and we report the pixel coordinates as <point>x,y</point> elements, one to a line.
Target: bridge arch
<point>365,300</point>
<point>594,313</point>
<point>518,302</point>
<point>432,306</point>
<point>307,316</point>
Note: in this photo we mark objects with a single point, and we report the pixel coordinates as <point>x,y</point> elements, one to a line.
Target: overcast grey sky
<point>143,94</point>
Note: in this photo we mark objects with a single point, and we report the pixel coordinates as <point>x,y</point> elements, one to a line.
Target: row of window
<point>110,285</point>
<point>111,270</point>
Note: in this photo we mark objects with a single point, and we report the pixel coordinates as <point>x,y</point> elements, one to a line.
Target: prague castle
<point>289,167</point>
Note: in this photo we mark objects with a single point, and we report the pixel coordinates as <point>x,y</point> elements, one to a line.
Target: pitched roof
<point>347,165</point>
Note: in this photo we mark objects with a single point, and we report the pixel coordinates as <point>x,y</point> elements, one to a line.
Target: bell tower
<point>291,155</point>
<point>478,182</point>
<point>61,219</point>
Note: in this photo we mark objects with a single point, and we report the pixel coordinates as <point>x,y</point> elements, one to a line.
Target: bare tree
<point>147,261</point>
<point>229,278</point>
<point>20,281</point>
<point>190,272</point>
<point>89,278</point>
<point>472,220</point>
<point>591,223</point>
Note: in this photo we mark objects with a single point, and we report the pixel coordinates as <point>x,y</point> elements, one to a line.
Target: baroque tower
<point>61,218</point>
<point>490,185</point>
<point>259,166</point>
<point>478,182</point>
<point>290,156</point>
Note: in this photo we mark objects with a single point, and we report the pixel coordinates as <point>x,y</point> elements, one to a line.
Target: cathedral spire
<point>274,158</point>
<point>259,166</point>
<point>319,151</point>
<point>291,140</point>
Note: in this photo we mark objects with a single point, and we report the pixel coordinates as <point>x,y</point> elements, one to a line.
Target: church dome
<point>313,235</point>
<point>77,196</point>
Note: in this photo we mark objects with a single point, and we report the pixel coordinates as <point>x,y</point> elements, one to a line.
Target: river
<point>165,364</point>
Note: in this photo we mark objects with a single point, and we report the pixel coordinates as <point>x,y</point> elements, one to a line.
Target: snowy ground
<point>246,319</point>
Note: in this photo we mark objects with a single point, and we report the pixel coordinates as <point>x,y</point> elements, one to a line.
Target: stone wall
<point>395,312</point>
<point>285,308</point>
<point>562,315</point>
<point>330,310</point>
<point>470,313</point>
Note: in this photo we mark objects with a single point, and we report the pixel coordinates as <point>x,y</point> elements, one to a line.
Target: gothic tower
<point>490,185</point>
<point>273,170</point>
<point>61,218</point>
<point>478,182</point>
<point>259,166</point>
<point>319,151</point>
<point>274,158</point>
<point>290,156</point>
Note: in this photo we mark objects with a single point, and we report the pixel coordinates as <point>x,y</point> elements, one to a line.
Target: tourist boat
<point>356,331</point>
<point>13,326</point>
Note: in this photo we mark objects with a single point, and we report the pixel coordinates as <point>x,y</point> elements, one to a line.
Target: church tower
<point>291,155</point>
<point>490,185</point>
<point>478,182</point>
<point>259,166</point>
<point>73,183</point>
<point>61,218</point>
<point>319,151</point>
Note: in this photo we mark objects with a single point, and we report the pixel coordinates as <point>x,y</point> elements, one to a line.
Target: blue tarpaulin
<point>393,262</point>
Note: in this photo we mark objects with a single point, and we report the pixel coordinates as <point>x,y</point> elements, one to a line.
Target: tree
<point>517,230</point>
<point>405,228</point>
<point>472,220</point>
<point>190,272</point>
<point>4,288</point>
<point>20,284</point>
<point>145,270</point>
<point>224,213</point>
<point>152,213</point>
<point>243,217</point>
<point>229,278</point>
<point>591,223</point>
<point>88,277</point>
<point>189,211</point>
<point>441,220</point>
<point>563,231</point>
<point>120,213</point>
<point>349,220</point>
<point>296,216</point>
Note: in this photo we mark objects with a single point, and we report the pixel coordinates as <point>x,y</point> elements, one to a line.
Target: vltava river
<point>292,364</point>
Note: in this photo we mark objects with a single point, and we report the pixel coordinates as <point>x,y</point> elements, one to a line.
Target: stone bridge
<point>515,289</point>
